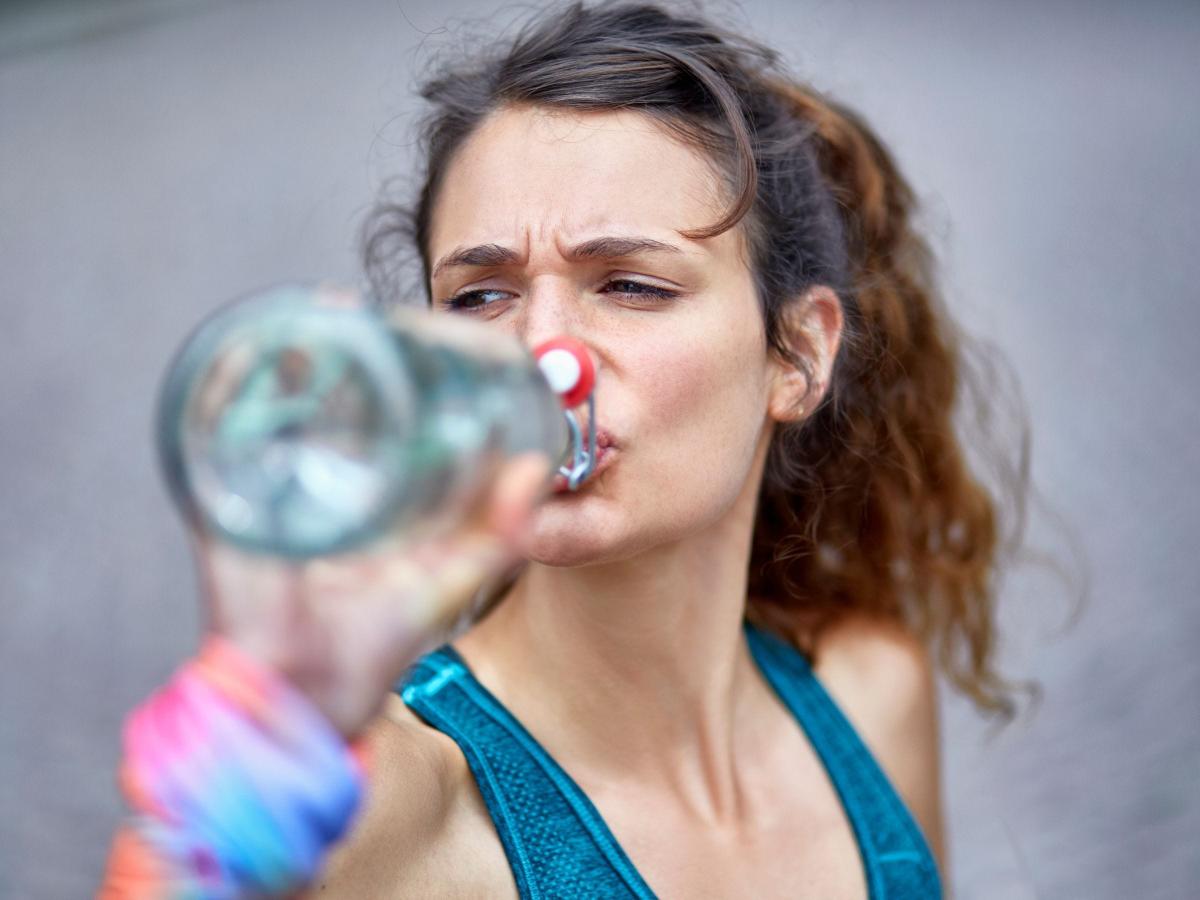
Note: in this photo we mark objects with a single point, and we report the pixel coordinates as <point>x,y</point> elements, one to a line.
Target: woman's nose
<point>551,310</point>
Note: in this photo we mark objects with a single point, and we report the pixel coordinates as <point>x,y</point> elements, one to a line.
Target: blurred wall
<point>158,158</point>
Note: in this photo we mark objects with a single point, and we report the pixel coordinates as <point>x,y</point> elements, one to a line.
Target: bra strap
<point>896,858</point>
<point>556,842</point>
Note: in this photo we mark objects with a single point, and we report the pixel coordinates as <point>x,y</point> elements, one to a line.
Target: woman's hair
<point>868,504</point>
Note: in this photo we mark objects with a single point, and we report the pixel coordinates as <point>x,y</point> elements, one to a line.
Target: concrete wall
<point>158,158</point>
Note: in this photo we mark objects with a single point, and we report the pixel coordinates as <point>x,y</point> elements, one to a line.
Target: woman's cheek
<point>698,414</point>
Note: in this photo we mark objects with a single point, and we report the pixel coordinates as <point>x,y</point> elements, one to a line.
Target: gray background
<point>158,158</point>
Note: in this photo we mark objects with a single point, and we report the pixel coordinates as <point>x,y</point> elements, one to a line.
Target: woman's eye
<point>469,301</point>
<point>639,289</point>
<point>475,300</point>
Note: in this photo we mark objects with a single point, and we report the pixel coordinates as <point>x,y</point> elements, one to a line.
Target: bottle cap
<point>567,366</point>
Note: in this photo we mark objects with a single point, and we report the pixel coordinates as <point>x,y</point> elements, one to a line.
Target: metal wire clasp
<point>583,455</point>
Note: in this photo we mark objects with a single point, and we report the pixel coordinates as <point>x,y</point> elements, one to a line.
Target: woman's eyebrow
<point>481,256</point>
<point>486,255</point>
<point>619,247</point>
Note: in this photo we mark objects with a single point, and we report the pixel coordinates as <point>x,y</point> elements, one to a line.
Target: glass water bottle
<point>304,421</point>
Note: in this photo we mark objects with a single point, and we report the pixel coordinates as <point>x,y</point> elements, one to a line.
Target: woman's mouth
<point>605,456</point>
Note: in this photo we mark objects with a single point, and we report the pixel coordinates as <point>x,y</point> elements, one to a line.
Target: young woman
<point>708,672</point>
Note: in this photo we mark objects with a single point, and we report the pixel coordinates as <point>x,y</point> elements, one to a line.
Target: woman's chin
<point>564,544</point>
<point>562,554</point>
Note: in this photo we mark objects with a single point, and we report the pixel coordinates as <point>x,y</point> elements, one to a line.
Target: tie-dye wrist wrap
<point>239,784</point>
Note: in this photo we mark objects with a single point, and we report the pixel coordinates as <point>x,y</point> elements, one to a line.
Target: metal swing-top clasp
<point>567,367</point>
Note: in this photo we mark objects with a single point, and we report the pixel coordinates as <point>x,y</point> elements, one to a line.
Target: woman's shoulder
<point>880,667</point>
<point>881,676</point>
<point>420,820</point>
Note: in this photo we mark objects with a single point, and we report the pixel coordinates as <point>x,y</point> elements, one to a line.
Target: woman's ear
<point>812,328</point>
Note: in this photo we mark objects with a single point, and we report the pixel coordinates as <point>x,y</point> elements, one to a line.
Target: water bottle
<point>305,421</point>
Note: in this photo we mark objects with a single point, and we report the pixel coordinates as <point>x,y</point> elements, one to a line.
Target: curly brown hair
<point>868,503</point>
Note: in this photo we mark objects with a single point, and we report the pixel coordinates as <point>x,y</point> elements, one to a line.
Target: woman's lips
<point>604,457</point>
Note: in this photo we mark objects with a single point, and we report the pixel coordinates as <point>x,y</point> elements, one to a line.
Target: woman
<point>707,673</point>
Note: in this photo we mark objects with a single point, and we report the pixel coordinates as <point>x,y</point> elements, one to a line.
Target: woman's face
<point>555,222</point>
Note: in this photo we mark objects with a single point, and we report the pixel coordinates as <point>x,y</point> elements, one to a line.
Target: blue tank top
<point>557,844</point>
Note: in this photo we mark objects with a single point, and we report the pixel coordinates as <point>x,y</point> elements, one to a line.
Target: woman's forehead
<point>532,172</point>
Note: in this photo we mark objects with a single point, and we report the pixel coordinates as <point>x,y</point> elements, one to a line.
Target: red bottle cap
<point>567,366</point>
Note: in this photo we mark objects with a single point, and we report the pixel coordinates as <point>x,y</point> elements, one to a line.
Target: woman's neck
<point>636,670</point>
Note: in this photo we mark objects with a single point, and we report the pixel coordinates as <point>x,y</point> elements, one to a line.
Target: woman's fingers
<point>454,566</point>
<point>516,491</point>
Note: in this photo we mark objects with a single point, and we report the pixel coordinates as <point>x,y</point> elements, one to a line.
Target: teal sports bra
<point>557,844</point>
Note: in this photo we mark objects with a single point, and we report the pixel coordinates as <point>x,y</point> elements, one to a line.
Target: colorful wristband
<point>239,784</point>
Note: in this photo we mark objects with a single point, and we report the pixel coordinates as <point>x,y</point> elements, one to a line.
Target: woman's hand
<point>343,628</point>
